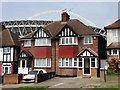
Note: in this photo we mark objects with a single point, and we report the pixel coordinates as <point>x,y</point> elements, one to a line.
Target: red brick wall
<point>93,46</point>
<point>10,79</point>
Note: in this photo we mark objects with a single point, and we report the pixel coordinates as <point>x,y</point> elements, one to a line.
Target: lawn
<point>32,88</point>
<point>103,87</point>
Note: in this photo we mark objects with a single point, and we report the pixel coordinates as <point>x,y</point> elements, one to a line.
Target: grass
<point>103,87</point>
<point>32,88</point>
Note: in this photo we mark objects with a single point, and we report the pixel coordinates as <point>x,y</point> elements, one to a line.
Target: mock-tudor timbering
<point>113,40</point>
<point>9,51</point>
<point>67,47</point>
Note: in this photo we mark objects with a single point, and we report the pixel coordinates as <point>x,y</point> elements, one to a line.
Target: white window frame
<point>6,65</point>
<point>27,43</point>
<point>114,53</point>
<point>46,62</point>
<point>8,49</point>
<point>38,42</point>
<point>81,62</point>
<point>64,39</point>
<point>68,66</point>
<point>115,33</point>
<point>88,38</point>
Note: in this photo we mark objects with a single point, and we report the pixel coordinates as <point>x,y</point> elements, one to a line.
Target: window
<point>6,49</point>
<point>88,40</point>
<point>80,62</point>
<point>68,41</point>
<point>114,52</point>
<point>23,63</point>
<point>6,57</point>
<point>68,62</point>
<point>92,62</point>
<point>43,42</point>
<point>6,69</point>
<point>42,62</point>
<point>27,43</point>
<point>115,33</point>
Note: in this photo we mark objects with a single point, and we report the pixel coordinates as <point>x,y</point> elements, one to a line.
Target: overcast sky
<point>99,13</point>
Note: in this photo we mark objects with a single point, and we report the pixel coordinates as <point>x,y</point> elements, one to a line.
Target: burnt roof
<point>114,45</point>
<point>8,38</point>
<point>115,25</point>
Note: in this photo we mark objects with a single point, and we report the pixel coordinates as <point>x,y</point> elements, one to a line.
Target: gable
<point>40,33</point>
<point>66,31</point>
<point>87,53</point>
<point>25,54</point>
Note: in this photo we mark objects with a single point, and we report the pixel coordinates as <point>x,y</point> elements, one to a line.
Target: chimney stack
<point>65,17</point>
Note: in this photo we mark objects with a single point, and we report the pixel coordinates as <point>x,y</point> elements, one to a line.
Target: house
<point>113,40</point>
<point>9,51</point>
<point>67,47</point>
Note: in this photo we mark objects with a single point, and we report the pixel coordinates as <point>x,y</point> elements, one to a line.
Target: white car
<point>31,76</point>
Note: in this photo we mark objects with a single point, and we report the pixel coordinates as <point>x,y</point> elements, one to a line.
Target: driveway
<point>66,82</point>
<point>70,82</point>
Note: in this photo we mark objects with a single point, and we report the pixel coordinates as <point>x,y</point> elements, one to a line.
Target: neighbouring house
<point>67,47</point>
<point>113,40</point>
<point>9,51</point>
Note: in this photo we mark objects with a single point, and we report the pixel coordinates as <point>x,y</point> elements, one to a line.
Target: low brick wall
<point>11,79</point>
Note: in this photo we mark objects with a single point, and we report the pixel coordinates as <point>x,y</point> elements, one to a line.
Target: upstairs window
<point>6,49</point>
<point>27,43</point>
<point>68,41</point>
<point>88,40</point>
<point>43,42</point>
<point>115,33</point>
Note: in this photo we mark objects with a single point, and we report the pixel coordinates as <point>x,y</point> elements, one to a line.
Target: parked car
<point>31,76</point>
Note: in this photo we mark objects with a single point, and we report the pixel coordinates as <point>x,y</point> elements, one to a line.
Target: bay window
<point>42,42</point>
<point>68,62</point>
<point>42,62</point>
<point>68,41</point>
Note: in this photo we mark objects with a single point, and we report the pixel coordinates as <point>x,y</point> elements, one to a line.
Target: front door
<point>86,66</point>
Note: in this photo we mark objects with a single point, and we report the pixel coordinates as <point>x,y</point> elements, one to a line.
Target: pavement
<point>66,82</point>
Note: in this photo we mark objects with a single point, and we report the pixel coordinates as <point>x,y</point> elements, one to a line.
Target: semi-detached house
<point>9,51</point>
<point>67,47</point>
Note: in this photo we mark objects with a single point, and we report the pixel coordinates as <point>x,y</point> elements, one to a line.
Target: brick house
<point>113,40</point>
<point>68,47</point>
<point>9,50</point>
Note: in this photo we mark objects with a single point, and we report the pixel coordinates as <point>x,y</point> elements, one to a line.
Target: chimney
<point>65,17</point>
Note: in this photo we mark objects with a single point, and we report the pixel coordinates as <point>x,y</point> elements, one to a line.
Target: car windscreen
<point>33,72</point>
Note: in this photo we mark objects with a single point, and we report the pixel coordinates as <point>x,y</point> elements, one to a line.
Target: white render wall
<point>1,54</point>
<point>12,53</point>
<point>111,38</point>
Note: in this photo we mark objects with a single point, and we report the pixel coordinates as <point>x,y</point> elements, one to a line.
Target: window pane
<point>80,62</point>
<point>114,52</point>
<point>70,40</point>
<point>48,62</point>
<point>70,61</point>
<point>75,62</point>
<point>92,62</point>
<point>23,63</point>
<point>63,61</point>
<point>66,40</point>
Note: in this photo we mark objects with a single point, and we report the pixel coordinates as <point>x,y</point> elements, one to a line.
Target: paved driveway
<point>69,82</point>
<point>66,82</point>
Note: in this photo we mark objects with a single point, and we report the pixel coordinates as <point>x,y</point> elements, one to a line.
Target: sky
<point>93,13</point>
